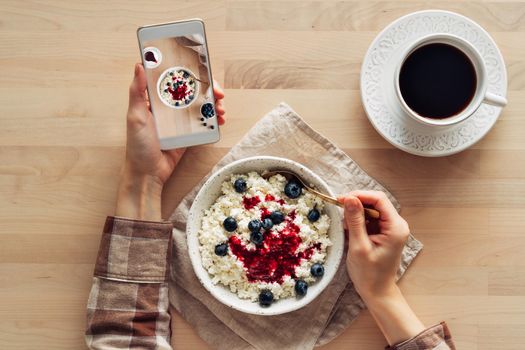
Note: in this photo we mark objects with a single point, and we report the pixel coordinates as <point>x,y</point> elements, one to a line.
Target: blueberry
<point>317,270</point>
<point>254,225</point>
<point>165,90</point>
<point>207,110</point>
<point>293,189</point>
<point>185,75</point>
<point>265,298</point>
<point>168,83</point>
<point>171,73</point>
<point>277,217</point>
<point>267,223</point>
<point>230,224</point>
<point>176,103</point>
<point>301,287</point>
<point>221,249</point>
<point>240,185</point>
<point>256,237</point>
<point>313,215</point>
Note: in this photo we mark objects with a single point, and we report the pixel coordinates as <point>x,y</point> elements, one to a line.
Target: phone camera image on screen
<point>180,91</point>
<point>177,87</point>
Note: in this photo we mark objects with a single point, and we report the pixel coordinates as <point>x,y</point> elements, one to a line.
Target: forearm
<point>393,315</point>
<point>138,196</point>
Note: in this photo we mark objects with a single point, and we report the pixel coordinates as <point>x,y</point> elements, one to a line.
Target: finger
<point>217,90</point>
<point>137,89</point>
<point>355,221</point>
<point>218,104</point>
<point>220,110</point>
<point>379,201</point>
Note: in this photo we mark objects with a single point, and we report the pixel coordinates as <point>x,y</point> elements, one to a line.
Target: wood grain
<point>64,72</point>
<point>360,15</point>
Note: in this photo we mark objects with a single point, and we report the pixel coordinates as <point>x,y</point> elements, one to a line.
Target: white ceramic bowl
<point>166,72</point>
<point>211,190</point>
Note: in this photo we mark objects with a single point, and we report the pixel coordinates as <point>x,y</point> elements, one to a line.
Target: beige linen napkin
<point>280,133</point>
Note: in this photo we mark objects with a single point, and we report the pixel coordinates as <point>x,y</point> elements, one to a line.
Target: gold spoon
<point>202,81</point>
<point>371,213</point>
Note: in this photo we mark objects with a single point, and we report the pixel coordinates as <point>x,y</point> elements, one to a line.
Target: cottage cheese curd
<point>288,249</point>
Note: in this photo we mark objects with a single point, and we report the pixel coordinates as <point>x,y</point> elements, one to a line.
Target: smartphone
<point>180,87</point>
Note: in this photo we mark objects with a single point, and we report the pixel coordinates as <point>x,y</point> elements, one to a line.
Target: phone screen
<point>179,84</point>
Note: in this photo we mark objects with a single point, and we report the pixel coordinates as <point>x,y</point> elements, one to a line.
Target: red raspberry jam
<point>307,254</point>
<point>250,202</point>
<point>179,93</point>
<point>270,198</point>
<point>276,257</point>
<point>150,57</point>
<point>264,213</point>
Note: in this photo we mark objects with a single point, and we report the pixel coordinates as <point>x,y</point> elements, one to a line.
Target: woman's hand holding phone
<point>147,167</point>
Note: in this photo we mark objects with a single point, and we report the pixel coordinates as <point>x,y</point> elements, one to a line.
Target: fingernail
<point>136,69</point>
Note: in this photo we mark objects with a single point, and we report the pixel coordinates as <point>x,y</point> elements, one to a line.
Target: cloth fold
<point>280,133</point>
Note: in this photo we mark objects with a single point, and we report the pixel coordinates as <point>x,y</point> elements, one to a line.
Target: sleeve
<point>128,303</point>
<point>434,338</point>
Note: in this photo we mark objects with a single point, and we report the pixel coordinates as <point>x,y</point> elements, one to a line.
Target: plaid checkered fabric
<point>434,338</point>
<point>128,303</point>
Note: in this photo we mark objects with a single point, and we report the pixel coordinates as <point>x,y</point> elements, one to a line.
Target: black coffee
<point>437,81</point>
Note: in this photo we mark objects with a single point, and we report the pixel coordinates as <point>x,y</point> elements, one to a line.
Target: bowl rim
<point>192,227</point>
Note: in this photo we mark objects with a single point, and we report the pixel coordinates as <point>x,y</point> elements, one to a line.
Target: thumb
<point>137,89</point>
<point>355,220</point>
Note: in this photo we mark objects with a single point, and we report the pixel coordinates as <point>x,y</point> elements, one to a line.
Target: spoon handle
<point>371,213</point>
<point>202,81</point>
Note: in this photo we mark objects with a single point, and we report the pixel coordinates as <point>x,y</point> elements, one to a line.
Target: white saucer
<point>379,97</point>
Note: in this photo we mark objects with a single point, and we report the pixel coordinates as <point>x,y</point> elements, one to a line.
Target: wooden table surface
<point>64,75</point>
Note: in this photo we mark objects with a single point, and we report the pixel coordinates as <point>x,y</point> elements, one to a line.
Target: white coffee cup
<point>481,95</point>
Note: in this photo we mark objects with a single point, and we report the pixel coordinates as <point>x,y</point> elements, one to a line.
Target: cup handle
<point>495,100</point>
